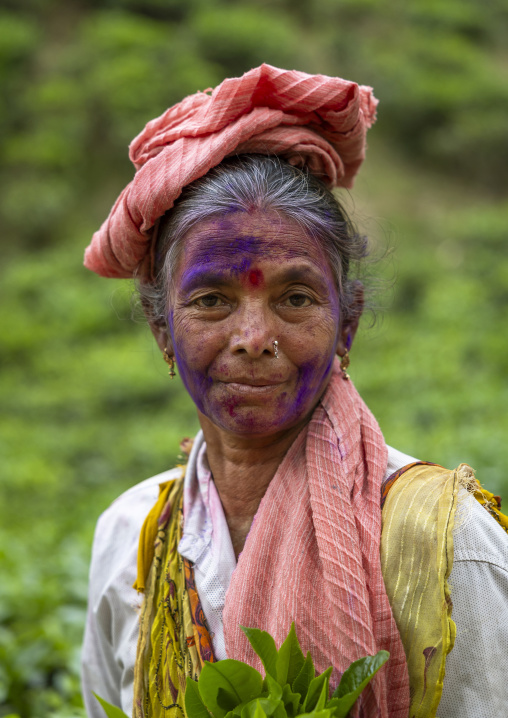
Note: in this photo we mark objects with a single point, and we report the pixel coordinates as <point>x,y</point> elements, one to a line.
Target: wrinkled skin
<point>244,281</point>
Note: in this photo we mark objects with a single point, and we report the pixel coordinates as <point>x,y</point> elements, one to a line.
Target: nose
<point>254,331</point>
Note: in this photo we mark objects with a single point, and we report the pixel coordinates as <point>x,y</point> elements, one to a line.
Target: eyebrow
<point>295,274</point>
<point>195,278</point>
<point>303,272</point>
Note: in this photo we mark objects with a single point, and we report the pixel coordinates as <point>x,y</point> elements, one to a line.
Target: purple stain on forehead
<point>224,257</point>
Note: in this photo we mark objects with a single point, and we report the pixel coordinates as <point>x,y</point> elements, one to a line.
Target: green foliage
<point>355,679</point>
<point>231,688</point>
<point>110,710</point>
<point>265,648</point>
<point>226,684</point>
<point>290,658</point>
<point>87,407</point>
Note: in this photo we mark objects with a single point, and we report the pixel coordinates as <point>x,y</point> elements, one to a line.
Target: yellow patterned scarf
<point>173,640</point>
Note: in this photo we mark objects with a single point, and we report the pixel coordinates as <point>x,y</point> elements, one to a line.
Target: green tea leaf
<point>323,697</point>
<point>226,700</point>
<point>291,700</point>
<point>274,689</point>
<point>226,684</point>
<point>258,712</point>
<point>280,712</point>
<point>290,658</point>
<point>332,704</point>
<point>194,706</point>
<point>303,679</point>
<point>354,680</point>
<point>360,673</point>
<point>325,713</point>
<point>111,710</point>
<point>318,686</point>
<point>268,705</point>
<point>264,646</point>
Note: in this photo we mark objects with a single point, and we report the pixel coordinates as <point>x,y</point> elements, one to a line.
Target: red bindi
<point>256,277</point>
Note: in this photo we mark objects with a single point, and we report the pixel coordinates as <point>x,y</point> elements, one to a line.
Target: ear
<point>162,337</point>
<point>159,329</point>
<point>349,325</point>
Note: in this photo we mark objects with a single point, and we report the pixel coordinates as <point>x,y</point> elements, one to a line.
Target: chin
<point>254,422</point>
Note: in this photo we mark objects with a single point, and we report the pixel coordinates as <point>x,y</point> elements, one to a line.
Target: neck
<point>242,468</point>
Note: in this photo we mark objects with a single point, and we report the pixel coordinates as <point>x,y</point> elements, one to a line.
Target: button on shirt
<point>475,684</point>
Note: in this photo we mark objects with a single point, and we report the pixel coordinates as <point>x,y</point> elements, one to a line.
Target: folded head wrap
<point>311,120</point>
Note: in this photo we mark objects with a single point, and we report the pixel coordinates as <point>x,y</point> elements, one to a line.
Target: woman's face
<point>244,281</point>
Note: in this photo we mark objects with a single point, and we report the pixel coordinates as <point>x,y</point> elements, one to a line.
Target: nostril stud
<point>276,348</point>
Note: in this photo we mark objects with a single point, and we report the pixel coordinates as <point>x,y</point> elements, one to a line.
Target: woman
<point>245,265</point>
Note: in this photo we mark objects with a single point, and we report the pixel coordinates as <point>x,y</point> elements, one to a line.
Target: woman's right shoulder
<point>120,524</point>
<point>146,491</point>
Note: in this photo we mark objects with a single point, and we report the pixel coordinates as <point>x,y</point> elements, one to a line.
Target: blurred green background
<point>87,407</point>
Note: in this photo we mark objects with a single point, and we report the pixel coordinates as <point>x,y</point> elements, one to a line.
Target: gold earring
<point>170,361</point>
<point>344,363</point>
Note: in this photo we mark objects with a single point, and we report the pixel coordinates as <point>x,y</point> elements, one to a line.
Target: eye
<point>298,300</point>
<point>209,301</point>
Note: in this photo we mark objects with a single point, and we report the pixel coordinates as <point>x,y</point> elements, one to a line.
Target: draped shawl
<point>313,553</point>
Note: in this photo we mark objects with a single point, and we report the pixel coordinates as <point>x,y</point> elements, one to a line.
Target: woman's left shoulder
<point>477,536</point>
<point>475,680</point>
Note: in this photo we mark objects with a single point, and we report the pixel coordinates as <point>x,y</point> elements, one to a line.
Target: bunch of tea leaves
<point>232,689</point>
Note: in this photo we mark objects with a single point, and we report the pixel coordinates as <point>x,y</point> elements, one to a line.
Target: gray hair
<point>256,182</point>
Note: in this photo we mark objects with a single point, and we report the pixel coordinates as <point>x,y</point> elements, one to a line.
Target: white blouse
<point>475,684</point>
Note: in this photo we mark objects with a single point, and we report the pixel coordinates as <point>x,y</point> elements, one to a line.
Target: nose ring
<point>276,348</point>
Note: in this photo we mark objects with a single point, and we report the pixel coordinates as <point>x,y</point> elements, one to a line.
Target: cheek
<point>312,377</point>
<point>190,342</point>
<point>194,353</point>
<point>316,355</point>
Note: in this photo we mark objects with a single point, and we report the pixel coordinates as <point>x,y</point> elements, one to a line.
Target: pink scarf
<point>312,554</point>
<point>311,120</point>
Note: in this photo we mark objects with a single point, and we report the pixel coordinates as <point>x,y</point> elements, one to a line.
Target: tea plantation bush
<point>87,407</point>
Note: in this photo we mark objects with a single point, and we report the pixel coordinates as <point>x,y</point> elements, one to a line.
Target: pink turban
<point>311,120</point>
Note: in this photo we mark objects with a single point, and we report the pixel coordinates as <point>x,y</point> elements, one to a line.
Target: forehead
<point>255,236</point>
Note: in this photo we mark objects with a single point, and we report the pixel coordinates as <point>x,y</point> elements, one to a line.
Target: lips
<point>248,380</point>
<point>259,386</point>
<point>252,389</point>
